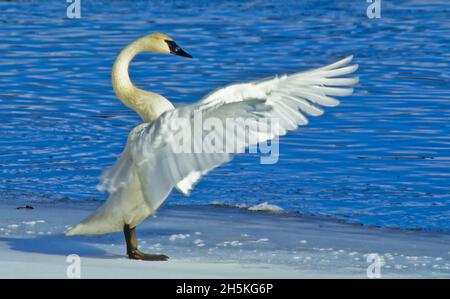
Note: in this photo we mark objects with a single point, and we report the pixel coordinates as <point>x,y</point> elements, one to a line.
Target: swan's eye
<point>176,50</point>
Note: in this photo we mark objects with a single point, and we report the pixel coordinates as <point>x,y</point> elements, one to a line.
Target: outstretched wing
<point>162,163</point>
<point>294,96</point>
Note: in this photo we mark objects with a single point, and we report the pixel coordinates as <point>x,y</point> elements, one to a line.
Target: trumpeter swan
<point>149,168</point>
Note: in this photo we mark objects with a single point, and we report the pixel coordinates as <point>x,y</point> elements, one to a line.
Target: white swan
<point>149,169</point>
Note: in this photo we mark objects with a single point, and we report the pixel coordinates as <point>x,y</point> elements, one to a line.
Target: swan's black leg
<point>132,249</point>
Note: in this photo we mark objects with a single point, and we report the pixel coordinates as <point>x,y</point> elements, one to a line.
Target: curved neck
<point>147,104</point>
<point>122,84</point>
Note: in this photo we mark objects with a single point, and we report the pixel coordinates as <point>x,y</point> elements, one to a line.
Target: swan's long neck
<point>147,104</point>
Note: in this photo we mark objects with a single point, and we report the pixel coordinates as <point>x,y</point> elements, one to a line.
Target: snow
<point>178,236</point>
<point>265,207</point>
<point>262,207</point>
<point>33,222</point>
<point>214,242</point>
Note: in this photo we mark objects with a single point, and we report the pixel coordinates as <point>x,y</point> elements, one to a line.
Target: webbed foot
<point>139,255</point>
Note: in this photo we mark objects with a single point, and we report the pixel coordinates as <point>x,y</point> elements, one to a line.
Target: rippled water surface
<point>381,158</point>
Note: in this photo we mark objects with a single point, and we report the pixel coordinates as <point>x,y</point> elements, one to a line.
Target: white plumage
<point>148,168</point>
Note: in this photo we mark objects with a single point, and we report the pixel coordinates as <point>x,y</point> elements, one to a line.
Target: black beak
<point>176,50</point>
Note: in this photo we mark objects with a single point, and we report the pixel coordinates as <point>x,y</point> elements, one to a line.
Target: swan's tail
<point>101,221</point>
<point>125,205</point>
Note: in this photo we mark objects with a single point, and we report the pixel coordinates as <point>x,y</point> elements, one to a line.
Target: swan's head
<point>161,43</point>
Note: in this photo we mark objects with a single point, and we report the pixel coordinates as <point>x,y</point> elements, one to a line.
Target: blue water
<point>381,158</point>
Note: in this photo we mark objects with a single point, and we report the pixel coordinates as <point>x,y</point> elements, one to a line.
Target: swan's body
<point>148,170</point>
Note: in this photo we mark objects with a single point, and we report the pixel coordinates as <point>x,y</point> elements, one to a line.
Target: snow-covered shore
<point>214,242</point>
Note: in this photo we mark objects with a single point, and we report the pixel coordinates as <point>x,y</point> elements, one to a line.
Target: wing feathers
<point>288,99</point>
<point>338,64</point>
